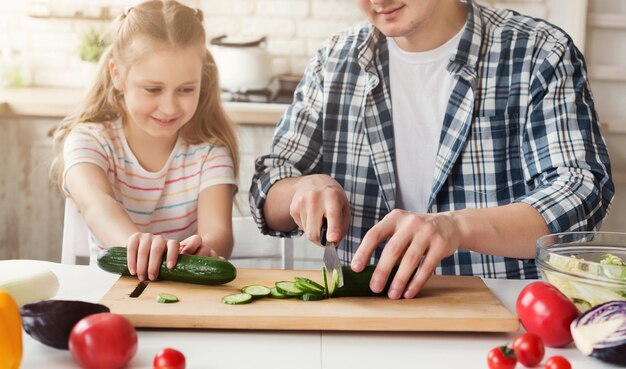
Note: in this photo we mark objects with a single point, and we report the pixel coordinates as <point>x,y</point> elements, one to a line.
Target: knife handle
<point>323,232</point>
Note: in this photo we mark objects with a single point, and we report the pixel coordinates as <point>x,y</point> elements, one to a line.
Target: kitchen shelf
<point>607,73</point>
<point>45,13</point>
<point>605,20</point>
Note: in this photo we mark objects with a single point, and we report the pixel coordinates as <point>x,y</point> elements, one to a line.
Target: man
<point>444,137</point>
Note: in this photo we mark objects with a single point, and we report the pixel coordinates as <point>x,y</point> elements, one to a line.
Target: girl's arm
<point>215,226</point>
<point>93,195</point>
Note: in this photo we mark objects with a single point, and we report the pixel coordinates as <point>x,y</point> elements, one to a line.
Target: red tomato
<point>545,311</point>
<point>558,362</point>
<point>103,341</point>
<point>529,349</point>
<point>168,358</point>
<point>501,357</point>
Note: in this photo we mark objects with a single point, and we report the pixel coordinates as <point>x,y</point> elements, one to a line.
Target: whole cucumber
<point>189,268</point>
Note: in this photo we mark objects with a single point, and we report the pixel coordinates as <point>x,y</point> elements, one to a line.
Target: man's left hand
<point>417,242</point>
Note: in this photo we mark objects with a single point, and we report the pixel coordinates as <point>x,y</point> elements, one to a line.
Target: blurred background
<point>48,50</point>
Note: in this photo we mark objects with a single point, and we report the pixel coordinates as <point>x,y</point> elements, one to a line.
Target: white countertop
<point>217,349</point>
<point>58,102</point>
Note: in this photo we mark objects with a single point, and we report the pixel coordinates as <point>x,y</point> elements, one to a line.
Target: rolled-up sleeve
<point>564,152</point>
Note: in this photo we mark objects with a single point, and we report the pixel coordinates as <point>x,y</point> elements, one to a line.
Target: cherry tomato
<point>558,362</point>
<point>545,311</point>
<point>529,349</point>
<point>103,341</point>
<point>501,357</point>
<point>169,358</point>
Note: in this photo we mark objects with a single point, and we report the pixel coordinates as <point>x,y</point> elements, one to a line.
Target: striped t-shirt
<point>163,202</point>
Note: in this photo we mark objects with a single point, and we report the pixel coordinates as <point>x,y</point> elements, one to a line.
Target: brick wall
<point>39,38</point>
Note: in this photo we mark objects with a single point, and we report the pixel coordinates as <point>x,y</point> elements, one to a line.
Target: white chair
<point>75,235</point>
<point>253,249</point>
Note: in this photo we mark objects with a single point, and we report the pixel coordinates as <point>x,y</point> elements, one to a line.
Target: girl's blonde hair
<point>167,23</point>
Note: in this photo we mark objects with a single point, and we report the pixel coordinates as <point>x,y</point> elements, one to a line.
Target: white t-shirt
<point>420,89</point>
<point>163,202</point>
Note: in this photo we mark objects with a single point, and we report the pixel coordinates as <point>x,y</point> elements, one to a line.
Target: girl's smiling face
<point>161,90</point>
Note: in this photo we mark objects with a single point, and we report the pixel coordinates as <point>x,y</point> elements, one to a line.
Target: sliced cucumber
<point>312,296</point>
<point>332,279</point>
<point>277,295</point>
<point>256,291</point>
<point>166,298</point>
<point>237,299</point>
<point>288,288</point>
<point>326,282</point>
<point>309,286</point>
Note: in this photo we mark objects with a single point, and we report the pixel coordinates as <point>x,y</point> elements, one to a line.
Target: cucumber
<point>358,284</point>
<point>277,295</point>
<point>309,286</point>
<point>166,298</point>
<point>237,299</point>
<point>256,291</point>
<point>288,288</point>
<point>189,268</point>
<point>312,296</point>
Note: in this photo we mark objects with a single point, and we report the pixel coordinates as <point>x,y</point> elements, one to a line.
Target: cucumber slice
<point>288,288</point>
<point>166,298</point>
<point>309,286</point>
<point>331,279</point>
<point>312,296</point>
<point>256,291</point>
<point>237,299</point>
<point>326,282</point>
<point>277,295</point>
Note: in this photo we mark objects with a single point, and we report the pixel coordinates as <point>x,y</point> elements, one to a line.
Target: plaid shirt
<point>520,126</point>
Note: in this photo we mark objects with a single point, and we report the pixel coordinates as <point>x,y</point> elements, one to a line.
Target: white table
<point>217,349</point>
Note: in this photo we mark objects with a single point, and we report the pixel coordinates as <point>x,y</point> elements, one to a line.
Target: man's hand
<point>315,197</point>
<point>416,241</point>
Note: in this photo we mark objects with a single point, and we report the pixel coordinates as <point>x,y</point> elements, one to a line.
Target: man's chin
<point>392,31</point>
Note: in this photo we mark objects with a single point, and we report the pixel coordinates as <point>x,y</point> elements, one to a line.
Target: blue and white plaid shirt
<point>520,126</point>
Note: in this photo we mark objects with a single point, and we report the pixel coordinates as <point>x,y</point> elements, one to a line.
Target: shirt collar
<point>466,57</point>
<point>463,62</point>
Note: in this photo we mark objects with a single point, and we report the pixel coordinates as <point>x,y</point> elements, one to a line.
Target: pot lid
<point>237,41</point>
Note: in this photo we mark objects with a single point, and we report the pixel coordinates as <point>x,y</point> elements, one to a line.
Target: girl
<point>150,159</point>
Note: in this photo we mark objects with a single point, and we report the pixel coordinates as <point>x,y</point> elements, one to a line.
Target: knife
<point>331,259</point>
<point>139,289</point>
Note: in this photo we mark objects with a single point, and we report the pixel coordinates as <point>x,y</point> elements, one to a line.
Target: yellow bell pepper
<point>10,332</point>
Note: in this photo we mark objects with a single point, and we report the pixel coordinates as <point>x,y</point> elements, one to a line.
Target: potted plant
<point>91,47</point>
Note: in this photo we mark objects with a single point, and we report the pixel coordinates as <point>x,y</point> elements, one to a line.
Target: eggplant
<point>51,321</point>
<point>600,332</point>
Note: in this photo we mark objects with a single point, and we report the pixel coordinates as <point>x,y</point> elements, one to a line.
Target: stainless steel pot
<point>243,65</point>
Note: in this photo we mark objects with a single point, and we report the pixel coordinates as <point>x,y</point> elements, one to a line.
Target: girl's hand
<point>145,253</point>
<point>193,245</point>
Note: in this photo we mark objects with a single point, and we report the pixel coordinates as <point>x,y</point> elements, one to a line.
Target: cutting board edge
<point>295,324</point>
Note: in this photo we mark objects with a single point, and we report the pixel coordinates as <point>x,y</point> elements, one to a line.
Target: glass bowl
<point>588,267</point>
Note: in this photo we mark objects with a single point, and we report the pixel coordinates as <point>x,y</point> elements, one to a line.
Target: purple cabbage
<point>600,332</point>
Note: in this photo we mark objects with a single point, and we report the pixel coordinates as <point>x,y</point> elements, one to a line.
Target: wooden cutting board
<point>447,303</point>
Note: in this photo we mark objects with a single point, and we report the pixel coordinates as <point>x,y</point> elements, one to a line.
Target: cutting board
<point>447,303</point>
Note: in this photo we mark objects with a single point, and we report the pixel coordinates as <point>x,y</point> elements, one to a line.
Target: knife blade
<point>139,289</point>
<point>331,259</point>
